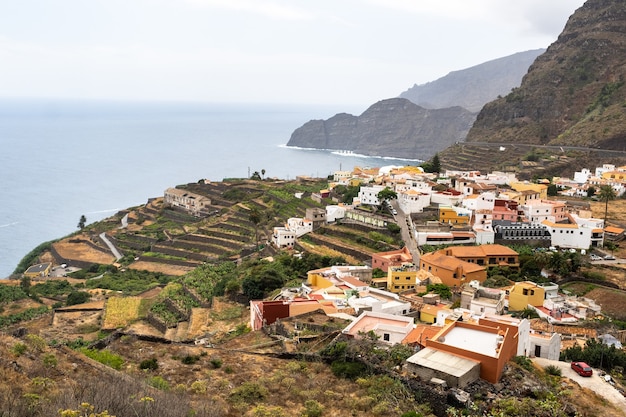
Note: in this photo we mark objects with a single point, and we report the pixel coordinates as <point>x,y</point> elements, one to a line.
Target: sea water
<point>61,159</point>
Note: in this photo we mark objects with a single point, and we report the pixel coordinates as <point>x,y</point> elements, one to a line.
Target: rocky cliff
<point>473,87</point>
<point>574,93</point>
<point>394,127</point>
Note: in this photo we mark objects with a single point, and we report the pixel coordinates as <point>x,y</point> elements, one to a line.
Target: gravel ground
<point>595,382</point>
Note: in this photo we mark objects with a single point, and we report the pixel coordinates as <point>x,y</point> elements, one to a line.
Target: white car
<point>594,257</point>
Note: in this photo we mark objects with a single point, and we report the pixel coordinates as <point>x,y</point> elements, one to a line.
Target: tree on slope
<point>606,193</point>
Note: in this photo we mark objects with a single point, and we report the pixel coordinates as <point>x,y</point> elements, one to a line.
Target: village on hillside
<point>479,217</point>
<point>455,293</point>
<point>460,294</point>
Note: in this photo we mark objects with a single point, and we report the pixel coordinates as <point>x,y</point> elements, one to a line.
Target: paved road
<point>406,228</point>
<point>113,249</point>
<point>595,382</point>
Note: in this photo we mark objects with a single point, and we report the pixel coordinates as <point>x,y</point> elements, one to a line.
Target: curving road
<point>595,382</point>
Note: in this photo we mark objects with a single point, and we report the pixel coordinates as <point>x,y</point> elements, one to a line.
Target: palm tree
<point>606,193</point>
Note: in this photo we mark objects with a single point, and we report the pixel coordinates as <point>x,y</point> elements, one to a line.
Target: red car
<point>582,369</point>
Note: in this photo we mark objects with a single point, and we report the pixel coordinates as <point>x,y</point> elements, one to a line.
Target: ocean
<point>60,159</point>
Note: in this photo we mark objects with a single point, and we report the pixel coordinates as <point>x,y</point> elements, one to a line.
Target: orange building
<point>452,271</point>
<point>384,260</point>
<point>485,255</point>
<point>463,351</point>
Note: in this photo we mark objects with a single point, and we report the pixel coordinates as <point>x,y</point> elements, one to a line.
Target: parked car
<point>595,257</point>
<point>609,257</point>
<point>582,369</point>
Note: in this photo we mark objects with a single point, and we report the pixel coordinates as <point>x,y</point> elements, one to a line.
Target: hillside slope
<point>574,93</point>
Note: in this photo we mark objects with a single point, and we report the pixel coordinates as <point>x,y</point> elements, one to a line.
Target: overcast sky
<point>278,51</point>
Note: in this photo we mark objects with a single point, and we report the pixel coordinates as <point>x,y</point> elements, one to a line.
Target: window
<point>386,337</point>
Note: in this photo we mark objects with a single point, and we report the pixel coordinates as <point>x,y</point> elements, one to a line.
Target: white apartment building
<point>536,211</point>
<point>573,236</point>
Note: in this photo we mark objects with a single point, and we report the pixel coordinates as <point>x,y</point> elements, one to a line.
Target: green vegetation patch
<point>10,293</point>
<point>105,357</point>
<point>129,281</point>
<point>29,314</point>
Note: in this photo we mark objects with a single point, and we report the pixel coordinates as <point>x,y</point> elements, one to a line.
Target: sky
<point>258,51</point>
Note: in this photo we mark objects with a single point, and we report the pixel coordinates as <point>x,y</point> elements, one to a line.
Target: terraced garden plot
<point>120,312</point>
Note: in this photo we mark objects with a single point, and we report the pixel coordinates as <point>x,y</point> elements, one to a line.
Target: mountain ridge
<point>423,120</point>
<point>473,87</point>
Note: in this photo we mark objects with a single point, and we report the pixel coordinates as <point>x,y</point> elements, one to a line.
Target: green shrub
<point>249,392</point>
<point>349,370</point>
<point>553,370</point>
<point>216,362</point>
<point>19,349</point>
<point>523,361</point>
<point>159,382</point>
<point>150,364</point>
<point>77,297</point>
<point>190,359</point>
<point>312,409</point>
<point>199,387</point>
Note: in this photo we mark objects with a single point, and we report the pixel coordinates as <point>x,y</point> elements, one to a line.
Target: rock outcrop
<point>394,127</point>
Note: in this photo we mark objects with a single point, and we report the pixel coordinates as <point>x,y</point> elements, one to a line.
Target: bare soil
<point>174,270</point>
<point>83,252</point>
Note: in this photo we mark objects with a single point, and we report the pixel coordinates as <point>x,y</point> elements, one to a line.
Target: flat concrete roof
<point>473,340</point>
<point>443,361</point>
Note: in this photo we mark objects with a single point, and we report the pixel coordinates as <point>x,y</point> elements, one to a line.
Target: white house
<point>446,198</point>
<point>379,301</point>
<point>582,176</point>
<point>413,201</point>
<point>335,212</point>
<point>369,194</point>
<point>389,328</point>
<point>283,237</point>
<point>299,226</point>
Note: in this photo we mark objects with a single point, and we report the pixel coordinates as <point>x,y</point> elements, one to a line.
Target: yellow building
<point>542,189</point>
<point>39,270</point>
<point>452,215</point>
<point>402,278</point>
<point>428,312</point>
<point>524,294</point>
<point>614,175</point>
<point>319,279</point>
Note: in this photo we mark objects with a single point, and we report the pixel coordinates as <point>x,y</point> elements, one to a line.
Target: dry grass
<point>166,269</point>
<point>82,251</point>
<point>120,311</point>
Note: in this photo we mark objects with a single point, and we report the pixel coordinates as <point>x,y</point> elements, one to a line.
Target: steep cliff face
<point>573,94</point>
<point>394,127</point>
<point>473,87</point>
